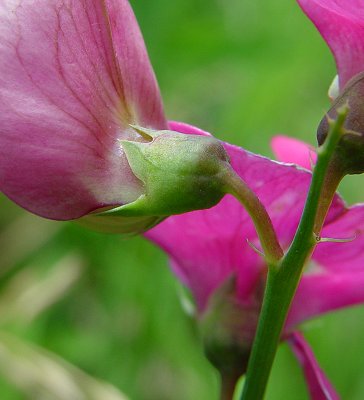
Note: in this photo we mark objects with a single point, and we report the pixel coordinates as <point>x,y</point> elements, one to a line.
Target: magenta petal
<point>208,246</point>
<point>290,150</point>
<point>347,256</point>
<point>186,128</point>
<point>335,278</point>
<point>320,294</point>
<point>319,386</point>
<point>342,26</point>
<point>73,75</point>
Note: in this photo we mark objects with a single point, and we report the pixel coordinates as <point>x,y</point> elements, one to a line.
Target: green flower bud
<point>349,155</point>
<point>228,328</point>
<point>180,173</point>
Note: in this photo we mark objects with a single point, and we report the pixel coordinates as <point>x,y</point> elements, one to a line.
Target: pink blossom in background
<point>73,75</point>
<point>207,247</point>
<point>291,150</point>
<point>344,259</point>
<point>341,24</point>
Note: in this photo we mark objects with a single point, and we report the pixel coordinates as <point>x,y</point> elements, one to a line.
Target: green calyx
<point>180,173</point>
<point>126,226</point>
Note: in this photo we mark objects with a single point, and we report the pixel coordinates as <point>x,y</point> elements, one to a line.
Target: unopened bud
<point>228,328</point>
<point>349,155</point>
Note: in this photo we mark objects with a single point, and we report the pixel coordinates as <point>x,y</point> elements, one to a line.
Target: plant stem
<point>282,281</point>
<point>228,383</point>
<point>262,222</point>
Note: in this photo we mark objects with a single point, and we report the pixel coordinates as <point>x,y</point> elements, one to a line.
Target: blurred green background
<point>243,70</point>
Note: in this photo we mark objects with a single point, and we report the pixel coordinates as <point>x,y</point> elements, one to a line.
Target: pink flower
<point>341,24</point>
<point>207,247</point>
<point>82,128</point>
<point>290,150</point>
<point>73,76</point>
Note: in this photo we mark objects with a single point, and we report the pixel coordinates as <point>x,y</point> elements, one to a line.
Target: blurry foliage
<point>244,71</point>
<point>44,376</point>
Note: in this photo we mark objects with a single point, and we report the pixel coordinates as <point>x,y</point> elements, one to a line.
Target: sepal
<point>180,173</point>
<point>119,224</point>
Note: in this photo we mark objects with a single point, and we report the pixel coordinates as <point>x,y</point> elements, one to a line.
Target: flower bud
<point>228,329</point>
<point>349,154</point>
<point>180,173</point>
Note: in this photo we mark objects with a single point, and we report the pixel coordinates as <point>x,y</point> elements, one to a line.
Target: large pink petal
<point>335,278</point>
<point>290,150</point>
<point>347,256</point>
<point>341,23</point>
<point>319,294</point>
<point>318,384</point>
<point>73,75</point>
<point>208,246</point>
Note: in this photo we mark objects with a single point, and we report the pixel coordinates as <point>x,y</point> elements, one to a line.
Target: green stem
<point>228,384</point>
<point>262,222</point>
<point>282,282</point>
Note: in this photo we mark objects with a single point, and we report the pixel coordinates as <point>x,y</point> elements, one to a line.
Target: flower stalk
<point>228,385</point>
<point>262,222</point>
<point>282,282</point>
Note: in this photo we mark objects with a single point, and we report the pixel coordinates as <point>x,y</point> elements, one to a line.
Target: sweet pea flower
<point>341,24</point>
<point>207,248</point>
<point>75,83</point>
<point>73,76</point>
<point>78,99</point>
